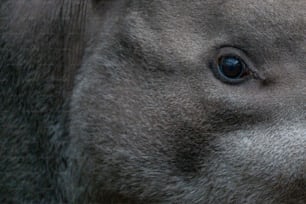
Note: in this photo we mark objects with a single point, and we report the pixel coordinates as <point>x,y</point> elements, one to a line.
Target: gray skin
<point>129,109</point>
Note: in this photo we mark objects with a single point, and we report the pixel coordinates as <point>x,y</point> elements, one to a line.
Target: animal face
<point>199,101</point>
<point>194,102</point>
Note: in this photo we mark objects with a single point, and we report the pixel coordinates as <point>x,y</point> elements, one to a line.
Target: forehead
<point>280,23</point>
<point>262,14</point>
<point>261,6</point>
<point>264,28</point>
<point>280,14</point>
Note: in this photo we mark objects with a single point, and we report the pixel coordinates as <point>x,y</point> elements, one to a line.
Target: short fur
<point>116,102</point>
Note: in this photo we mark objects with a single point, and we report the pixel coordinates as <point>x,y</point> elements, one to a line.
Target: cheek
<point>270,150</point>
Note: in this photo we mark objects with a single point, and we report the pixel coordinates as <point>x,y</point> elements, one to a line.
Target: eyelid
<point>249,64</point>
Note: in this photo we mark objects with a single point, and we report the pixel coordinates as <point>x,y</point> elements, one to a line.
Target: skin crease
<point>133,111</point>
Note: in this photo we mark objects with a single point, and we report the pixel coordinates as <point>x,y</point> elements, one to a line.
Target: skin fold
<point>123,102</point>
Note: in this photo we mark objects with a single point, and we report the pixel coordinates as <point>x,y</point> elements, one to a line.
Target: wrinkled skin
<point>129,109</point>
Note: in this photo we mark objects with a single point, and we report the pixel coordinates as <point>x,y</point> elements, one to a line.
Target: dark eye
<point>232,66</point>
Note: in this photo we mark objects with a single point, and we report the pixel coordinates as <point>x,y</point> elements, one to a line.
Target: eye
<point>232,66</point>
